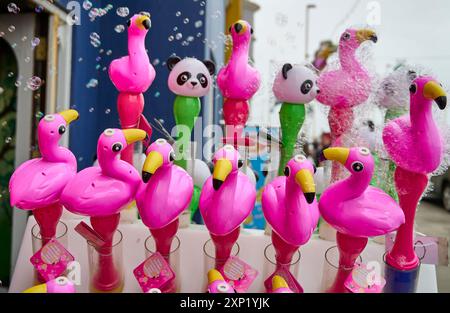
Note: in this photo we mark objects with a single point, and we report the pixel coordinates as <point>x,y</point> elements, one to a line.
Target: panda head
<point>190,77</point>
<point>296,84</point>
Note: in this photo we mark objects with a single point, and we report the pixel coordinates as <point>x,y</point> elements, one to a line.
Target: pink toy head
<point>358,161</point>
<point>112,141</point>
<point>351,39</point>
<point>296,84</point>
<point>241,32</point>
<point>226,160</point>
<point>53,126</point>
<point>139,24</point>
<point>424,90</point>
<point>301,171</point>
<point>190,77</point>
<point>159,154</point>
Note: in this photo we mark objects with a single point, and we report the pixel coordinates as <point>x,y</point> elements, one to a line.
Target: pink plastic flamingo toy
<point>355,209</point>
<point>238,82</point>
<point>57,285</point>
<point>346,87</point>
<point>164,195</point>
<point>226,200</point>
<point>132,75</point>
<point>37,184</point>
<point>279,285</point>
<point>217,284</point>
<point>290,207</point>
<point>415,145</point>
<point>101,192</point>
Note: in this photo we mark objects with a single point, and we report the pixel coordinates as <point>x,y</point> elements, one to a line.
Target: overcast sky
<point>412,30</point>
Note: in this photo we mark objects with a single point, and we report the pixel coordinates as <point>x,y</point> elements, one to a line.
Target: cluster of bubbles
<point>95,39</point>
<point>122,11</point>
<point>13,8</point>
<point>96,12</point>
<point>34,83</point>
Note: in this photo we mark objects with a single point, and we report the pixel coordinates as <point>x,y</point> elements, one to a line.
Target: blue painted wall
<point>97,106</point>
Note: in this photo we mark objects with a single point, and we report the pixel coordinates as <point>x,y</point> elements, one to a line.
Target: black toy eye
<point>240,163</point>
<point>306,86</point>
<point>413,88</point>
<point>172,156</point>
<point>346,36</point>
<point>287,171</point>
<point>129,23</point>
<point>117,147</point>
<point>184,78</point>
<point>251,31</point>
<point>357,166</point>
<point>62,129</point>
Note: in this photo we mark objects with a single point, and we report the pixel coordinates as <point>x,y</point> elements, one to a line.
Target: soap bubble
<point>98,59</point>
<point>202,4</point>
<point>95,39</point>
<point>178,14</point>
<point>11,28</point>
<point>107,111</point>
<point>39,115</point>
<point>27,60</point>
<point>24,38</point>
<point>2,34</point>
<point>87,4</point>
<point>178,36</point>
<point>156,62</point>
<point>123,11</point>
<point>1,90</point>
<point>39,9</point>
<point>34,82</point>
<point>171,38</point>
<point>13,8</point>
<point>198,24</point>
<point>109,52</point>
<point>93,13</point>
<point>91,109</point>
<point>10,74</point>
<point>190,39</point>
<point>92,83</point>
<point>157,94</point>
<point>119,28</point>
<point>186,21</point>
<point>35,42</point>
<point>201,12</point>
<point>18,83</point>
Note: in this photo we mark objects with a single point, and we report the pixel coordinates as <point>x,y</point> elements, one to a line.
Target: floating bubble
<point>80,59</point>
<point>198,24</point>
<point>14,45</point>
<point>156,62</point>
<point>107,111</point>
<point>157,94</point>
<point>35,42</point>
<point>122,11</point>
<point>93,13</point>
<point>13,8</point>
<point>87,5</point>
<point>97,67</point>
<point>95,39</point>
<point>119,28</point>
<point>175,28</point>
<point>1,90</point>
<point>199,35</point>
<point>178,14</point>
<point>186,21</point>
<point>92,83</point>
<point>11,28</point>
<point>201,12</point>
<point>190,39</point>
<point>34,82</point>
<point>171,38</point>
<point>39,9</point>
<point>202,4</point>
<point>184,43</point>
<point>10,74</point>
<point>24,38</point>
<point>91,109</point>
<point>101,51</point>
<point>27,60</point>
<point>39,115</point>
<point>98,59</point>
<point>178,36</point>
<point>2,34</point>
<point>109,52</point>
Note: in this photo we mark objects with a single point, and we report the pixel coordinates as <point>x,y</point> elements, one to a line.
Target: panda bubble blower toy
<point>238,81</point>
<point>132,75</point>
<point>294,86</point>
<point>189,79</point>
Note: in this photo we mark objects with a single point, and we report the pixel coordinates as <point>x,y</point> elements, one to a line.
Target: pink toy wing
<point>164,197</point>
<point>38,183</point>
<point>93,194</point>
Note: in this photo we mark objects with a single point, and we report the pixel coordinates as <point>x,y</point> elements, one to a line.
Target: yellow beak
<point>134,135</point>
<point>214,275</point>
<point>305,180</point>
<point>434,91</point>
<point>42,288</point>
<point>222,169</point>
<point>153,161</point>
<point>143,22</point>
<point>69,116</point>
<point>337,154</point>
<point>365,35</point>
<point>278,282</point>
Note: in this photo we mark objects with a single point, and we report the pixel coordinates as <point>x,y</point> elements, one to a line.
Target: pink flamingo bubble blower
<point>356,209</point>
<point>347,87</point>
<point>38,183</point>
<point>226,200</point>
<point>101,192</point>
<point>132,75</point>
<point>415,145</point>
<point>279,285</point>
<point>217,284</point>
<point>165,193</point>
<point>290,207</point>
<point>238,81</point>
<point>58,285</point>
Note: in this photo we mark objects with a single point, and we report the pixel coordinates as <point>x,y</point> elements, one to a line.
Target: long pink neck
<point>52,152</point>
<point>113,167</point>
<point>351,187</point>
<point>348,60</point>
<point>296,214</point>
<point>239,57</point>
<point>421,118</point>
<point>136,50</point>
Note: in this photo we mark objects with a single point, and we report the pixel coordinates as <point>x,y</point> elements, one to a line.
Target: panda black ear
<point>286,68</point>
<point>210,66</point>
<point>172,61</point>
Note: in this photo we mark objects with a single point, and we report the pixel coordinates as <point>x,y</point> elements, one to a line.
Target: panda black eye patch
<point>203,80</point>
<point>306,86</point>
<point>183,78</point>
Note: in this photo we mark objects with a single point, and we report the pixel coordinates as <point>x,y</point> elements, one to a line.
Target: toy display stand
<point>252,244</point>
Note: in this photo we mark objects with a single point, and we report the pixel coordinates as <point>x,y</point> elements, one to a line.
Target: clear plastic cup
<point>37,242</point>
<point>173,259</point>
<point>270,263</point>
<point>334,276</point>
<point>106,274</point>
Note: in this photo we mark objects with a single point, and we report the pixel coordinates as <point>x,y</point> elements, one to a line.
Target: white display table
<point>252,244</point>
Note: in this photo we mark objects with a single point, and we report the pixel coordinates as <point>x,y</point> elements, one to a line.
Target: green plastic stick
<point>186,111</point>
<point>292,116</point>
